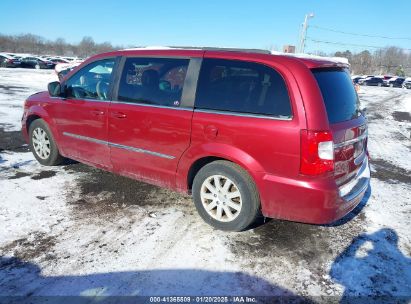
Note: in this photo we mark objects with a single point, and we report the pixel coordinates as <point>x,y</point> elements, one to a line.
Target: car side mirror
<point>54,89</point>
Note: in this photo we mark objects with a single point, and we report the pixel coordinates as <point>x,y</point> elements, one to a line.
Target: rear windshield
<point>340,97</point>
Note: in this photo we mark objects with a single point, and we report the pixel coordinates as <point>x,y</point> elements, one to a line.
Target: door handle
<point>118,115</point>
<point>97,112</point>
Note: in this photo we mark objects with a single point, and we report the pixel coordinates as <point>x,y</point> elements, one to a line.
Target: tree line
<point>33,44</point>
<point>391,60</point>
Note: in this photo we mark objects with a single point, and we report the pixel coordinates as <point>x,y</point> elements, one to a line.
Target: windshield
<point>340,97</point>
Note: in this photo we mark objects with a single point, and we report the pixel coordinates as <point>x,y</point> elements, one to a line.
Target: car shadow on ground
<point>23,281</point>
<point>372,269</point>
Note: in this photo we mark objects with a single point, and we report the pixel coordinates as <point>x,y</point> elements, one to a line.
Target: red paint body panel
<point>169,141</point>
<point>306,200</point>
<point>83,118</point>
<point>159,130</point>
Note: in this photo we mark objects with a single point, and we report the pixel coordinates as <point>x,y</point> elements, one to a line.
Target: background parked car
<point>407,83</point>
<point>37,63</point>
<point>355,79</point>
<point>371,81</point>
<point>368,81</point>
<point>58,60</point>
<point>395,82</point>
<point>7,61</point>
<point>62,69</point>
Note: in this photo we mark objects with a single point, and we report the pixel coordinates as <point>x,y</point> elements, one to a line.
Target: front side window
<point>243,87</point>
<point>92,81</point>
<point>156,81</point>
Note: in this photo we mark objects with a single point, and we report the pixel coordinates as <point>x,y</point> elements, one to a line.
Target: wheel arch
<point>197,157</point>
<point>30,119</point>
<point>196,166</point>
<point>35,113</point>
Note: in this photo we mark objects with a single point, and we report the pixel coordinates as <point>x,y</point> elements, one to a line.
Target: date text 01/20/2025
<point>203,299</point>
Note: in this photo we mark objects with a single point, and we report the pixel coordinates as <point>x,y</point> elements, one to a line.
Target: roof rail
<point>228,49</point>
<point>259,51</point>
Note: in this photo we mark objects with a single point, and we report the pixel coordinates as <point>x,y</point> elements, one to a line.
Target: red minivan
<point>246,132</point>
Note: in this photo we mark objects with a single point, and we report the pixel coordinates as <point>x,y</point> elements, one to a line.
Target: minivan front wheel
<point>226,196</point>
<point>42,144</point>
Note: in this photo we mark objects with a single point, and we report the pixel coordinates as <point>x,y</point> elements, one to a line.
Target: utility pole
<point>304,32</point>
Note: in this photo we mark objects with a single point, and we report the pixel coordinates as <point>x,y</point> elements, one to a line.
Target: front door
<point>150,121</point>
<point>81,116</point>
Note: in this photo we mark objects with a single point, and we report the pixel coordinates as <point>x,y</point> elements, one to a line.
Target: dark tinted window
<point>340,97</point>
<point>157,81</point>
<point>92,81</point>
<point>245,87</point>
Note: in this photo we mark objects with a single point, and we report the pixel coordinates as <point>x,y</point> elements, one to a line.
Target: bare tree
<point>28,43</point>
<point>382,61</point>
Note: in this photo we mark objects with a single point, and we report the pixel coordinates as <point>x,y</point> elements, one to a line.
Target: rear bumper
<point>351,190</point>
<point>312,201</point>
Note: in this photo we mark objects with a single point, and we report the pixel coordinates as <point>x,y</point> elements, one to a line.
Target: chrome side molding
<point>111,144</point>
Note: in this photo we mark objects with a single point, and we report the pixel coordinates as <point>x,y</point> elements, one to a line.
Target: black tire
<point>250,208</point>
<point>54,158</point>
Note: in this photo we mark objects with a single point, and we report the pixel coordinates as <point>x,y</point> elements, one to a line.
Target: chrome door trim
<point>139,150</point>
<point>150,105</point>
<point>81,99</point>
<point>243,114</point>
<point>111,144</point>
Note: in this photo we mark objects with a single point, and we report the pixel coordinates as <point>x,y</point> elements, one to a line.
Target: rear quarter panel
<point>257,144</point>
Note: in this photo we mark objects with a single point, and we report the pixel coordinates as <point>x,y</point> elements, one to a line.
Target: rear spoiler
<point>334,65</point>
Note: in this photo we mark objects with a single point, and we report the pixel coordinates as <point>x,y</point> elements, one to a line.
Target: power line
<point>349,44</point>
<point>357,34</point>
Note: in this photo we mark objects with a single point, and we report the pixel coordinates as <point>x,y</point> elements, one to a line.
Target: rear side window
<point>339,95</point>
<point>242,87</point>
<point>156,81</point>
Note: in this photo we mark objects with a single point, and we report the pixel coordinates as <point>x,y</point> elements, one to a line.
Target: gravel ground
<point>75,230</point>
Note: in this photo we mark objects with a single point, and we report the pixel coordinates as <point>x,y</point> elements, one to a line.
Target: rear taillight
<point>317,152</point>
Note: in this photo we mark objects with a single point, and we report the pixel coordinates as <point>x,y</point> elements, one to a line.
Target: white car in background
<point>62,69</point>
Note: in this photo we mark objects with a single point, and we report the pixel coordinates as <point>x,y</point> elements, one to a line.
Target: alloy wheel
<point>41,143</point>
<point>221,198</point>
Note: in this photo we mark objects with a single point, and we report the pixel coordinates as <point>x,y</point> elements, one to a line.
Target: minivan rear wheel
<point>225,196</point>
<point>43,145</point>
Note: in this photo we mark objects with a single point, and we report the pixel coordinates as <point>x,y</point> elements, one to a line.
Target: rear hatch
<point>348,126</point>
